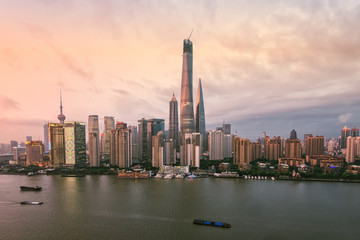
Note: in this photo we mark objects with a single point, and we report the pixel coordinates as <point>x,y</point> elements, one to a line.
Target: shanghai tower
<point>186,104</point>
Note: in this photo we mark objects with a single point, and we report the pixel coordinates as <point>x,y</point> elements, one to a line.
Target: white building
<point>216,149</point>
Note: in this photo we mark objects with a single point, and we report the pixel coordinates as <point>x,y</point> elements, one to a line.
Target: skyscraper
<point>186,104</point>
<point>174,122</point>
<point>94,147</point>
<point>154,125</point>
<point>292,148</point>
<point>241,151</point>
<point>315,145</point>
<point>61,116</point>
<point>345,132</point>
<point>216,150</point>
<point>354,132</point>
<point>34,153</point>
<point>109,124</point>
<point>46,137</point>
<point>57,144</point>
<point>200,114</point>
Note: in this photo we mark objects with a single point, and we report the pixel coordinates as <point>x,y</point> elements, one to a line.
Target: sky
<point>265,65</point>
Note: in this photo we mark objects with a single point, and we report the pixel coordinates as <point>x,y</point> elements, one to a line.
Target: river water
<point>104,207</point>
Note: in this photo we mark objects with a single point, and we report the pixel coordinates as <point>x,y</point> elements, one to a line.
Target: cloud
<point>7,103</point>
<point>69,62</point>
<point>344,118</point>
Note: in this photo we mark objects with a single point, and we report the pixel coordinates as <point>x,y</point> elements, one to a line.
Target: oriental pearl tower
<point>61,116</point>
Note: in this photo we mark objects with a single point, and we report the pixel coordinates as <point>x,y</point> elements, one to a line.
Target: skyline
<point>276,68</point>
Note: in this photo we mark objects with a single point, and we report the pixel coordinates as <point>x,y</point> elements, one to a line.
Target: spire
<point>61,116</point>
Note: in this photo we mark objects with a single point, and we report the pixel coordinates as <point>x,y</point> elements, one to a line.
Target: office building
<point>28,139</point>
<point>226,128</point>
<point>57,144</point>
<point>154,126</point>
<point>46,137</point>
<point>109,124</point>
<point>94,141</point>
<point>354,132</point>
<point>350,149</point>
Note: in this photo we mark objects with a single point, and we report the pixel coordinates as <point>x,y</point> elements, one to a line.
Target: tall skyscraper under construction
<point>186,104</point>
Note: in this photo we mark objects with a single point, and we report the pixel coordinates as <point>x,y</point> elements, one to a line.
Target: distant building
<point>226,128</point>
<point>315,145</point>
<point>28,139</point>
<point>154,126</point>
<point>293,135</point>
<point>13,144</point>
<point>135,146</point>
<point>18,151</point>
<point>294,162</point>
<point>94,141</point>
<point>216,150</point>
<point>292,148</point>
<point>34,153</point>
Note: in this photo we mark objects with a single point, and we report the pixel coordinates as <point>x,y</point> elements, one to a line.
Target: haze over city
<point>267,66</point>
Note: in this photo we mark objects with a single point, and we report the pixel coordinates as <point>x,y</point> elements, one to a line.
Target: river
<point>104,207</point>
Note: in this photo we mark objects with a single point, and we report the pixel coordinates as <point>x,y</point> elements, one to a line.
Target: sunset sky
<point>265,65</point>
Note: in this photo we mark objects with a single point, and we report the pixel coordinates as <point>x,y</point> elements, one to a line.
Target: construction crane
<point>190,34</point>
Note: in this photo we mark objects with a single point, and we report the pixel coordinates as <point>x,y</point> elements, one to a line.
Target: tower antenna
<point>190,34</point>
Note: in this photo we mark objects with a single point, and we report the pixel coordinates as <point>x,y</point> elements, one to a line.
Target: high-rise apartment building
<point>350,149</point>
<point>241,151</point>
<point>94,140</point>
<point>34,153</point>
<point>158,150</point>
<point>57,144</point>
<point>292,148</point>
<point>186,104</point>
<point>154,126</point>
<point>174,122</point>
<point>216,149</point>
<point>75,143</point>
<point>191,150</point>
<point>255,150</point>
<point>227,145</point>
<point>200,116</point>
<point>272,148</point>
<point>315,145</point>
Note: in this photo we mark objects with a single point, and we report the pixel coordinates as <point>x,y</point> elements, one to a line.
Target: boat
<point>73,175</point>
<point>191,176</point>
<point>30,174</point>
<point>169,176</point>
<point>210,223</point>
<point>30,203</point>
<point>25,188</point>
<point>158,175</point>
<point>179,176</point>
<point>272,178</point>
